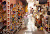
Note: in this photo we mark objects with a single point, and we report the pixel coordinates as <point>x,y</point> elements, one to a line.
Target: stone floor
<point>30,32</point>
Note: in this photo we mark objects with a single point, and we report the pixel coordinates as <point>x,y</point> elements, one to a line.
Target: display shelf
<point>2,16</point>
<point>17,28</point>
<point>15,25</point>
<point>13,31</point>
<point>46,25</point>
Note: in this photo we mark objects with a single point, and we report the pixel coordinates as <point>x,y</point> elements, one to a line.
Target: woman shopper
<point>25,20</point>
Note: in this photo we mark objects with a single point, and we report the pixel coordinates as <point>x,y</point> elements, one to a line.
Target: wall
<point>11,1</point>
<point>3,0</point>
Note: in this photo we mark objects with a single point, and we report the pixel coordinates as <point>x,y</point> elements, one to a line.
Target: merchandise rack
<point>12,27</point>
<point>49,24</point>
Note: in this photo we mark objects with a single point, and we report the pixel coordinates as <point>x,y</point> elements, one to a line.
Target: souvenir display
<point>17,14</point>
<point>3,16</point>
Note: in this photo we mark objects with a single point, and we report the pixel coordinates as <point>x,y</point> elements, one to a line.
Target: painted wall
<point>11,1</point>
<point>3,0</point>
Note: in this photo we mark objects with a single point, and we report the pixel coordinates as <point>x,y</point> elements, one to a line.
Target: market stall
<point>16,18</point>
<point>2,16</point>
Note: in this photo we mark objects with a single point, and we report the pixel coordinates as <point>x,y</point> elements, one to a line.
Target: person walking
<point>25,20</point>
